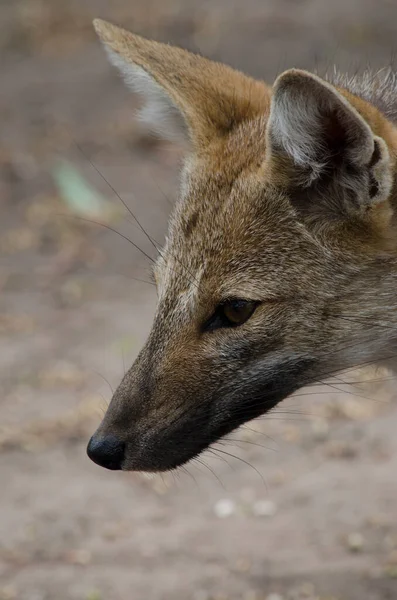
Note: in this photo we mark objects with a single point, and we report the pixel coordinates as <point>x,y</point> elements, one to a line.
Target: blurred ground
<point>320,520</point>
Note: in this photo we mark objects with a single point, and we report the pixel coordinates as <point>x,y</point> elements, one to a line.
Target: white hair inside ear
<point>158,112</point>
<point>321,133</point>
<point>305,115</point>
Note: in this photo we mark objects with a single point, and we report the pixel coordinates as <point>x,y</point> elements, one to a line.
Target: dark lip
<point>169,451</point>
<point>153,461</point>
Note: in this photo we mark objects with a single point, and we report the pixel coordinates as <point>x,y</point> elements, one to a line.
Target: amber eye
<point>231,313</point>
<point>238,311</point>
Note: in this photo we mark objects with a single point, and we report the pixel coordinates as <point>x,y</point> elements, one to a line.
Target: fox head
<point>280,259</point>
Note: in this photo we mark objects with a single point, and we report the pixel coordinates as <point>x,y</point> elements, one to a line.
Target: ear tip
<point>294,77</point>
<point>303,83</point>
<point>99,25</point>
<point>106,31</point>
<point>114,36</point>
<point>102,28</point>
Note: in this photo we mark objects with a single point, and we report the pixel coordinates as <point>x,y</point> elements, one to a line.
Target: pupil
<point>236,311</point>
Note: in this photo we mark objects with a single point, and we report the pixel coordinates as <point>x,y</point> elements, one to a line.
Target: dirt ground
<point>307,507</point>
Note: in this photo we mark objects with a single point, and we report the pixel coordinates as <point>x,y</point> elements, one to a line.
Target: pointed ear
<point>315,136</point>
<point>184,93</point>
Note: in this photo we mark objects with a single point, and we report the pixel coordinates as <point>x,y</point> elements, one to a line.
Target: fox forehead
<point>228,233</point>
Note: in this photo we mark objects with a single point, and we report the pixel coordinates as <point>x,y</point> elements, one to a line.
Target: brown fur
<point>310,237</point>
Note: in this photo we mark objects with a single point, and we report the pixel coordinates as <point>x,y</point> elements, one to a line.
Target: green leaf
<point>80,197</point>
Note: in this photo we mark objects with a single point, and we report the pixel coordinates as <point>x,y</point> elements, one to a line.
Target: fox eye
<point>238,312</point>
<point>231,313</point>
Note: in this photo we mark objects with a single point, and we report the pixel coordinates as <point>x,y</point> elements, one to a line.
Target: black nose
<point>106,451</point>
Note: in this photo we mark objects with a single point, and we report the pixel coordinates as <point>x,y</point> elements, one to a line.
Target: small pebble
<point>79,557</point>
<point>355,542</point>
<point>320,428</point>
<point>339,449</point>
<point>264,508</point>
<point>224,508</point>
<point>292,434</point>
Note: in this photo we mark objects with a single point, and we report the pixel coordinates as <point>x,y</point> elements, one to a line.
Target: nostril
<point>106,451</point>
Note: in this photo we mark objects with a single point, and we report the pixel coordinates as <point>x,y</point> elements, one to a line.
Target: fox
<point>279,267</point>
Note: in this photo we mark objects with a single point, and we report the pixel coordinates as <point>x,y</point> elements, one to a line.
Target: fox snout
<point>157,419</point>
<point>153,450</point>
<point>149,442</point>
<point>157,422</point>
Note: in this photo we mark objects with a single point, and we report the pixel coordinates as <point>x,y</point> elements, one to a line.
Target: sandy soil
<point>307,507</point>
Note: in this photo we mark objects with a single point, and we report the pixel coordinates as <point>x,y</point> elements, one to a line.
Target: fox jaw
<point>280,261</point>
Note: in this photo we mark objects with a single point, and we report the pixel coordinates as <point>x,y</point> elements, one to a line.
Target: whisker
<point>258,433</point>
<point>104,379</point>
<point>250,443</point>
<point>162,192</point>
<point>187,472</point>
<point>202,462</point>
<point>93,165</point>
<point>135,218</point>
<point>103,408</point>
<point>122,356</point>
<point>334,387</point>
<point>211,451</point>
<point>243,461</point>
<point>110,229</point>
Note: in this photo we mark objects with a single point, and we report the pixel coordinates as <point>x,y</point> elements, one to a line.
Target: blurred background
<point>304,506</point>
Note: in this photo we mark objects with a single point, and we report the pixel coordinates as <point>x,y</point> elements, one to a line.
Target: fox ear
<point>185,94</point>
<point>316,135</point>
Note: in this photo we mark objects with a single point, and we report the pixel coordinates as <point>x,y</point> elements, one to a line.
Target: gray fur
<point>379,88</point>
